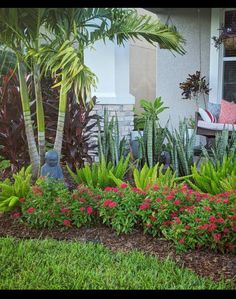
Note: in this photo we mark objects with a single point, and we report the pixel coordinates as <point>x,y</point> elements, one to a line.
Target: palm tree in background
<point>77,29</point>
<point>54,40</point>
<point>20,32</point>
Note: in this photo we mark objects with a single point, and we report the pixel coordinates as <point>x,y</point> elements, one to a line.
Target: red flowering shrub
<point>118,207</point>
<point>50,203</point>
<point>191,219</point>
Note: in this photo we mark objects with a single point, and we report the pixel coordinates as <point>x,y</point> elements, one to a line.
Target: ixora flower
<point>31,210</point>
<point>65,210</point>
<point>112,204</point>
<point>67,222</point>
<point>89,210</point>
<point>123,185</point>
<point>217,236</point>
<point>16,215</point>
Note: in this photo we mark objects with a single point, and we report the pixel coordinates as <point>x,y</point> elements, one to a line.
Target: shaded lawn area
<point>51,264</point>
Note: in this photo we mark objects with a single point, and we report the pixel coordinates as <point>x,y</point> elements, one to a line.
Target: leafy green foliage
<point>4,164</point>
<point>11,192</point>
<point>50,204</point>
<point>154,176</point>
<point>223,145</point>
<point>118,208</point>
<point>213,178</point>
<point>99,174</point>
<point>109,144</point>
<point>151,111</point>
<point>181,147</point>
<point>191,219</point>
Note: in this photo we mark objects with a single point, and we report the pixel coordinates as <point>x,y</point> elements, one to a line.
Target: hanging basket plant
<point>227,37</point>
<point>230,42</point>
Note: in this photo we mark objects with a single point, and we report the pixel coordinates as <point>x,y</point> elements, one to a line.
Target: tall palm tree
<point>76,29</point>
<point>21,32</point>
<point>12,36</point>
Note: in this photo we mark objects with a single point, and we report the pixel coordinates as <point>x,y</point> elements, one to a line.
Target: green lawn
<point>51,264</point>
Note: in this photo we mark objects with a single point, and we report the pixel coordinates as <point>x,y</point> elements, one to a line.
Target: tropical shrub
<point>12,192</point>
<point>155,176</point>
<point>50,204</point>
<point>152,109</point>
<point>191,219</point>
<point>118,207</point>
<point>100,174</point>
<point>213,178</point>
<point>12,122</point>
<point>109,144</point>
<point>78,132</point>
<point>42,206</point>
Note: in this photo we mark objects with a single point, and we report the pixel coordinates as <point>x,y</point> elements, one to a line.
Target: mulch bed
<point>203,262</point>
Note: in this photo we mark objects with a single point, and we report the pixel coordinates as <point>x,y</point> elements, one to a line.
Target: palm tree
<point>12,35</point>
<point>76,29</point>
<point>21,33</point>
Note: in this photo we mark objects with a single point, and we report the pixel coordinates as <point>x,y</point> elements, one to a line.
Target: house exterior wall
<point>111,65</point>
<point>142,67</point>
<point>171,70</point>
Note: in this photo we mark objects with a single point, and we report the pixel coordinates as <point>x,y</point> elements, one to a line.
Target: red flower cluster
<point>109,203</point>
<point>31,210</point>
<point>67,222</point>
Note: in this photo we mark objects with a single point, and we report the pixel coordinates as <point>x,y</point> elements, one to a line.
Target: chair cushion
<point>215,126</point>
<point>227,112</point>
<point>207,115</point>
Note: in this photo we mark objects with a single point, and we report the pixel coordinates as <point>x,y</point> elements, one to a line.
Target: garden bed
<point>203,262</point>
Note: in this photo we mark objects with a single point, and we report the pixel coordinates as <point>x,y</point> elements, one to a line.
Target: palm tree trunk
<point>60,121</point>
<point>33,152</point>
<point>39,113</point>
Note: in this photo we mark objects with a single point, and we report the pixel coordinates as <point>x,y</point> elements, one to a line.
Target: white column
<point>111,65</point>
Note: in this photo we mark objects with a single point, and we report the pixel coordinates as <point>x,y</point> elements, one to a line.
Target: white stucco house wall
<point>119,91</point>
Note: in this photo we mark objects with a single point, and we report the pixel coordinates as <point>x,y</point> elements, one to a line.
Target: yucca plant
<point>110,145</point>
<point>99,174</point>
<point>181,147</point>
<point>11,192</point>
<point>212,178</point>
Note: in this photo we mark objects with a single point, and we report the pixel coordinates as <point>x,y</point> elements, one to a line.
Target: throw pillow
<point>214,109</point>
<point>227,112</point>
<point>206,115</point>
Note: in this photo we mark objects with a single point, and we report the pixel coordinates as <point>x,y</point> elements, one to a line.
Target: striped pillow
<point>207,116</point>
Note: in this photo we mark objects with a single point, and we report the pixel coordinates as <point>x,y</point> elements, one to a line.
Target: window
<point>229,62</point>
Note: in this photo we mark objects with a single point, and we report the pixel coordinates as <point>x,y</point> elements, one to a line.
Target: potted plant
<point>227,37</point>
<point>194,87</point>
